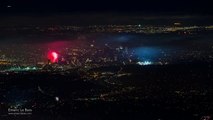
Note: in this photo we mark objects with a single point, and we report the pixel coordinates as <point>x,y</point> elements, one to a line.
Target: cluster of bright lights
<point>144,63</point>
<point>22,69</point>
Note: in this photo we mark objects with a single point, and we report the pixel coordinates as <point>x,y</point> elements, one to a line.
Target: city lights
<point>147,59</point>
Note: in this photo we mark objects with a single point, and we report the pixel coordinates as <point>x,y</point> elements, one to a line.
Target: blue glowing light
<point>148,53</point>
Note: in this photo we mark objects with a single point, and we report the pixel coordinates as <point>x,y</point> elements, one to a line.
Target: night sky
<point>142,6</point>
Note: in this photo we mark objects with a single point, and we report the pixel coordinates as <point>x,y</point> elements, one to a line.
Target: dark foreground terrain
<point>171,92</point>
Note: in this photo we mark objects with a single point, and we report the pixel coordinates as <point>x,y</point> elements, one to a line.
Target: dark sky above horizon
<point>144,6</point>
